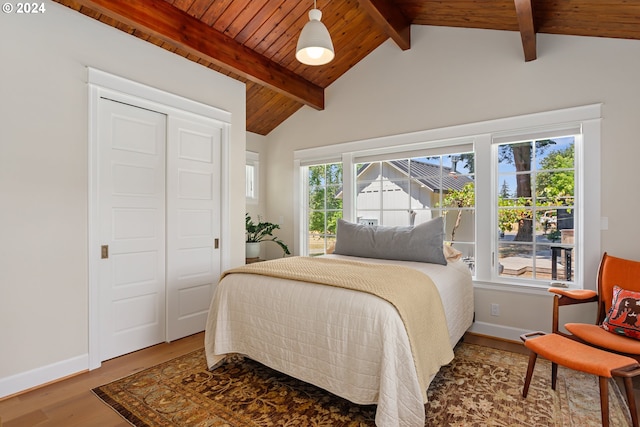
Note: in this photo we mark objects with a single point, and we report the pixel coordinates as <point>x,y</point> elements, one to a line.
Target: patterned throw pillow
<point>622,318</point>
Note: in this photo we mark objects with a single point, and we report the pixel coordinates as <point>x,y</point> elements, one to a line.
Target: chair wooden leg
<point>631,400</point>
<point>554,375</point>
<point>604,400</point>
<point>527,381</point>
<point>555,319</point>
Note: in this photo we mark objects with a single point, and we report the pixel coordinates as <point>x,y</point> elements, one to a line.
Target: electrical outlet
<point>495,309</point>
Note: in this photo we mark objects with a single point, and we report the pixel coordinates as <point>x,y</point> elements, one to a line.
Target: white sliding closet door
<point>131,209</point>
<point>155,195</point>
<point>193,218</point>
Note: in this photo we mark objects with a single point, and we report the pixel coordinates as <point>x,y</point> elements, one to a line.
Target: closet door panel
<point>193,218</point>
<point>131,206</point>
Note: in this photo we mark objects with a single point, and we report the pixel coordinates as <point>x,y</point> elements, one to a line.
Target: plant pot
<point>252,249</point>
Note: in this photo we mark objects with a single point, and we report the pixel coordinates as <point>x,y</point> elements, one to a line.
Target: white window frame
<point>536,135</point>
<point>437,209</point>
<point>253,160</point>
<point>483,136</point>
<point>304,171</point>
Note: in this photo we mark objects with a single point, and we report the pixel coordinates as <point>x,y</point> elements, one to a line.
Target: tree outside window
<point>324,206</point>
<point>536,209</point>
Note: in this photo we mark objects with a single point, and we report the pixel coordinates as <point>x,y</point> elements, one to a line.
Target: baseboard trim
<point>22,382</point>
<point>497,331</point>
<point>38,377</point>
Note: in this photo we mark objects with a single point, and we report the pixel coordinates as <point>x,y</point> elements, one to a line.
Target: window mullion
<point>348,187</point>
<point>485,179</point>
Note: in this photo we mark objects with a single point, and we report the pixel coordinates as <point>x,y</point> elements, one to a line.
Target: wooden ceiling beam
<point>177,28</point>
<point>387,15</point>
<point>527,28</point>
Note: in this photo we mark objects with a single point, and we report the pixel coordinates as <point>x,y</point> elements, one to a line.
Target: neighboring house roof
<point>428,174</point>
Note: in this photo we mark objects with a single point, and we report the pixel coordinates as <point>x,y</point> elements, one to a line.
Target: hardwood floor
<point>70,402</point>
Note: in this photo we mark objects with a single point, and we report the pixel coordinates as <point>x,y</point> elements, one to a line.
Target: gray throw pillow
<point>421,243</point>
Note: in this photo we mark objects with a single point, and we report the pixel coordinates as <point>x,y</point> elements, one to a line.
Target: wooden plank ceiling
<point>254,41</point>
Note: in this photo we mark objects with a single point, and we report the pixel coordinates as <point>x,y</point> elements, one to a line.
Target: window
<point>536,209</point>
<point>324,208</point>
<point>520,196</point>
<point>251,172</point>
<point>410,191</point>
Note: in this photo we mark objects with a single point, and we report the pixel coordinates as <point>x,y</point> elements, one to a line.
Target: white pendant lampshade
<point>314,44</point>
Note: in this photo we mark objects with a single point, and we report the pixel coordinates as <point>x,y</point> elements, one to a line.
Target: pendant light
<point>314,44</point>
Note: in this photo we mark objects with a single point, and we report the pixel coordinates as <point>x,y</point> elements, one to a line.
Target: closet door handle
<point>104,251</point>
<point>216,243</point>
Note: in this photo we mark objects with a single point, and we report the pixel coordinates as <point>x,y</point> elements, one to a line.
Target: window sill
<point>522,288</point>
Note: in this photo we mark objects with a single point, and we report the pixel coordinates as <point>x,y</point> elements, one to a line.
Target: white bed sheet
<point>350,343</point>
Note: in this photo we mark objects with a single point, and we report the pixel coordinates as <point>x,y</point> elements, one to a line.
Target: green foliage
<point>504,190</point>
<point>520,155</point>
<point>464,198</point>
<point>261,232</point>
<point>325,208</point>
<point>554,235</point>
<point>511,212</point>
<point>557,187</point>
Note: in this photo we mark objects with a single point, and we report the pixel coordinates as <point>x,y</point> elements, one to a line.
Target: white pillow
<point>422,243</point>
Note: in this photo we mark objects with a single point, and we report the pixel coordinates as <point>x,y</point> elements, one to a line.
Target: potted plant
<point>256,233</point>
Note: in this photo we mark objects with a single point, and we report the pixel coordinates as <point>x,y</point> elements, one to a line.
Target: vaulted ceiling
<point>254,41</point>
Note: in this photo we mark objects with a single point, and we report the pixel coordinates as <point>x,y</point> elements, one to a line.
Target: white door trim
<point>154,96</point>
<point>101,84</point>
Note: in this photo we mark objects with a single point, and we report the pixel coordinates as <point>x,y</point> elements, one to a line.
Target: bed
<point>351,343</point>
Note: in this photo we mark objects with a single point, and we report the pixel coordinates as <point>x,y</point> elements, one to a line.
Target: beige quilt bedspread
<point>411,292</point>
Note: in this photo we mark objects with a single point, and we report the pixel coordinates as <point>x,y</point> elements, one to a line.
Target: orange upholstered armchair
<point>613,273</point>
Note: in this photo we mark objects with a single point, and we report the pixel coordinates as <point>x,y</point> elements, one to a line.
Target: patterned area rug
<point>481,387</point>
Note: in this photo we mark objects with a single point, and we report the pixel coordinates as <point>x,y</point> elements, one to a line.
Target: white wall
<point>453,76</point>
<point>258,144</point>
<point>43,175</point>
